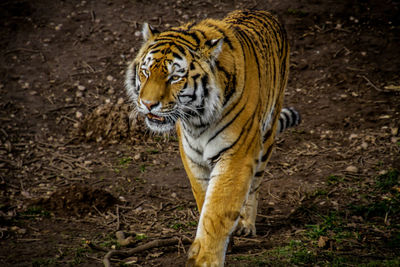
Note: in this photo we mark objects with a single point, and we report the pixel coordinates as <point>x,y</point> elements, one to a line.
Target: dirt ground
<point>74,170</point>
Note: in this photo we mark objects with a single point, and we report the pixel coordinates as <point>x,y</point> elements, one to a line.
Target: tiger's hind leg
<point>247,221</point>
<point>246,225</point>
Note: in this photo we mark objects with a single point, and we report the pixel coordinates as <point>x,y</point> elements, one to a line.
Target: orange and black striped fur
<point>221,84</point>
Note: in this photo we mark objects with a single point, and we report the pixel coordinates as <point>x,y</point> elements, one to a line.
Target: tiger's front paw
<point>245,228</point>
<point>198,257</point>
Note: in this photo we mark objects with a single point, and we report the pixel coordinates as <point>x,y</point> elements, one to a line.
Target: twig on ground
<point>21,50</point>
<point>152,244</point>
<point>371,84</point>
<point>95,247</point>
<point>134,22</point>
<point>118,219</point>
<point>60,108</point>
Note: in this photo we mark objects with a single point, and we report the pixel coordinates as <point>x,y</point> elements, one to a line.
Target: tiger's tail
<point>289,117</point>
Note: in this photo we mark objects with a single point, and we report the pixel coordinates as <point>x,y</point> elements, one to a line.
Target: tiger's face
<point>161,77</point>
<point>168,82</point>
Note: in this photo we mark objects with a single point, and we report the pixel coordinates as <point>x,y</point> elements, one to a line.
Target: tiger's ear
<point>215,47</point>
<point>148,32</point>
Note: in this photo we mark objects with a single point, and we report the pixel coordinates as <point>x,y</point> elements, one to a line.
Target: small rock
<point>383,172</point>
<point>352,136</point>
<point>58,27</point>
<point>26,194</point>
<point>364,145</point>
<point>81,88</point>
<point>137,156</point>
<point>120,235</point>
<point>352,168</point>
<point>173,195</point>
<point>110,78</point>
<point>78,114</point>
<point>21,231</point>
<point>87,162</point>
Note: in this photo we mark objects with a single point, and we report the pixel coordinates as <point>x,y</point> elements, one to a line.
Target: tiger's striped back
<point>221,83</point>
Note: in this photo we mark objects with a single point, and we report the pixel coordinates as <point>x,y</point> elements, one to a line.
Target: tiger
<point>220,85</point>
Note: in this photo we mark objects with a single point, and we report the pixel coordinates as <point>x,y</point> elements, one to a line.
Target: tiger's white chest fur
<point>201,149</point>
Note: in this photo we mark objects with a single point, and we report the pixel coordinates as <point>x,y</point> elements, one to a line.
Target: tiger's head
<point>172,79</point>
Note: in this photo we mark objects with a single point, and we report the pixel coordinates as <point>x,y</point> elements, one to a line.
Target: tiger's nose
<point>150,104</point>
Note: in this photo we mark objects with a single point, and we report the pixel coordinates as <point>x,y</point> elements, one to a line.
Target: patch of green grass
<point>35,211</point>
<point>387,181</point>
<point>110,241</point>
<point>300,253</point>
<point>379,263</point>
<point>331,222</point>
<point>79,256</point>
<point>319,192</point>
<point>43,262</point>
<point>183,225</point>
<point>297,12</point>
<point>394,241</point>
<point>374,209</point>
<point>142,168</point>
<point>293,254</point>
<point>140,180</point>
<point>152,151</point>
<point>333,179</point>
<point>141,236</point>
<point>192,223</point>
<point>125,161</point>
<point>178,226</point>
<point>383,201</point>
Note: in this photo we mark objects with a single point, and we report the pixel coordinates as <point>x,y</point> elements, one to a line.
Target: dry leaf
<point>322,241</point>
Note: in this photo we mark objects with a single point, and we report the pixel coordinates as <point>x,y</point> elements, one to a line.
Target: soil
<point>75,168</point>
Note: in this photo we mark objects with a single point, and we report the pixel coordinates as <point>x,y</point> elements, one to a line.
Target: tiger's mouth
<point>160,124</point>
<point>156,119</point>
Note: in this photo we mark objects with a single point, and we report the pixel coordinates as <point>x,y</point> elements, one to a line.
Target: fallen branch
<point>152,244</point>
<point>387,89</point>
